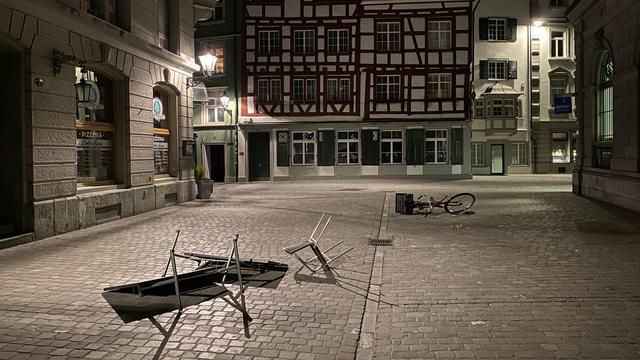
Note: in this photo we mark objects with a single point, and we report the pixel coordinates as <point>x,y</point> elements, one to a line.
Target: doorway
<point>259,155</point>
<point>12,198</point>
<point>497,159</point>
<point>216,162</point>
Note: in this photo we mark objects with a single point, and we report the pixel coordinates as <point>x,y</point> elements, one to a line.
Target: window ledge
<point>89,189</point>
<point>165,180</point>
<point>563,58</point>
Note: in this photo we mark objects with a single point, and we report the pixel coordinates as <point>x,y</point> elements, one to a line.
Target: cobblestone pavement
<point>534,272</point>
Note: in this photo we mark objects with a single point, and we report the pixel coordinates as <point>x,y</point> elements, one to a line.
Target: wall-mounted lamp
<point>59,59</point>
<point>208,62</point>
<point>224,100</point>
<point>537,23</point>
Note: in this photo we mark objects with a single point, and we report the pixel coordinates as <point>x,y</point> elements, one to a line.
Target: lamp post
<point>208,62</point>
<point>224,100</point>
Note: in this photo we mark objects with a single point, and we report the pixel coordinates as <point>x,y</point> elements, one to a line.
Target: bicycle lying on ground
<point>454,204</point>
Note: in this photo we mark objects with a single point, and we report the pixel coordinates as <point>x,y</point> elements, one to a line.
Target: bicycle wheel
<point>459,203</point>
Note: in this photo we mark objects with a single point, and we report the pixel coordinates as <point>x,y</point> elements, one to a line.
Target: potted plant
<point>205,186</point>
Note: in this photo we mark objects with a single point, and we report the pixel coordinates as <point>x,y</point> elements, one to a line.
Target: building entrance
<point>497,159</point>
<point>259,164</point>
<point>12,198</point>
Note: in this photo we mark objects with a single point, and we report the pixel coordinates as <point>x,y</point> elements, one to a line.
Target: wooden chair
<point>320,256</point>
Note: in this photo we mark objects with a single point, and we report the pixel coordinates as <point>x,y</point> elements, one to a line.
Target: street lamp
<point>83,88</point>
<point>224,100</point>
<point>208,62</point>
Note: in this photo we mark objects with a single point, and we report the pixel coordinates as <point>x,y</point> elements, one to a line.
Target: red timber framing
<point>321,16</point>
<point>414,62</point>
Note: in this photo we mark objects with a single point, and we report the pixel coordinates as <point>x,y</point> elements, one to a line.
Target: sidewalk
<point>535,272</point>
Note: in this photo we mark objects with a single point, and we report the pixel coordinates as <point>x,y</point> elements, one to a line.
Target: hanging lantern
<point>224,100</point>
<point>83,89</point>
<point>208,63</point>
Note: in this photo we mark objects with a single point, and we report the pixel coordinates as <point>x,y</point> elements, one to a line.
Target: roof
<point>499,89</point>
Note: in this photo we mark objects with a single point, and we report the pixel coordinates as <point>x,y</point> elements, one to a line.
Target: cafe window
<point>161,132</point>
<point>560,151</point>
<point>95,131</point>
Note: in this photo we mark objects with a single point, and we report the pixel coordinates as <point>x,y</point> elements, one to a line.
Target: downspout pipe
<point>534,143</point>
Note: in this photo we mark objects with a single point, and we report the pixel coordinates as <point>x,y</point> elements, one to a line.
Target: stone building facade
<point>608,100</point>
<point>129,148</point>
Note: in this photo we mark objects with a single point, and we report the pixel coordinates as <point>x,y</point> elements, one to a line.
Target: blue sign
<point>562,104</point>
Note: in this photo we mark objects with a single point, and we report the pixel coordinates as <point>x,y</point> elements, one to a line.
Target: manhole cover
<point>381,242</point>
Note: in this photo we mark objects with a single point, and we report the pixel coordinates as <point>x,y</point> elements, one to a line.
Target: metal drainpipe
<point>534,157</point>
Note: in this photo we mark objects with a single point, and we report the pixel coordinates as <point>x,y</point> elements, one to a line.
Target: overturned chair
<point>320,257</point>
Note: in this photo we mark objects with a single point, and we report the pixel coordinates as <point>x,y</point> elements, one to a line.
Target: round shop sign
<point>157,109</point>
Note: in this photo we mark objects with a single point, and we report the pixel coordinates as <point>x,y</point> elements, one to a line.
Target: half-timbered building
<point>355,88</point>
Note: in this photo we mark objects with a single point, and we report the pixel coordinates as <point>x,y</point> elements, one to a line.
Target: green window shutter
<point>371,147</point>
<point>484,28</point>
<point>484,69</point>
<point>283,148</point>
<point>512,29</point>
<point>326,148</point>
<point>457,146</point>
<point>415,146</point>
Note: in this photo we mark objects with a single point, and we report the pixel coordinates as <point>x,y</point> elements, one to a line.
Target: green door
<point>259,166</point>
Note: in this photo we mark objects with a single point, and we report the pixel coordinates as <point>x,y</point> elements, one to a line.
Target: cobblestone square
<point>534,272</point>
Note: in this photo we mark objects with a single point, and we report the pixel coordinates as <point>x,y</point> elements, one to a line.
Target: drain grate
<point>381,242</point>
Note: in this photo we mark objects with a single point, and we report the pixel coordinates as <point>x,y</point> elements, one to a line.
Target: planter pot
<point>205,188</point>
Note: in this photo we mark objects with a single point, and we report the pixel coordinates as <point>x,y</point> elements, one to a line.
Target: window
<point>478,108</point>
<point>436,147</point>
<point>304,90</point>
<point>388,36</point>
<point>497,69</point>
<point>111,11</point>
<point>605,101</point>
<point>348,147</point>
<point>558,88</point>
<point>560,151</point>
<point>439,36</point>
<point>215,48</point>
<point>269,90</point>
<point>164,25</point>
<point>557,44</point>
<point>560,3</point>
<point>391,147</point>
<point>215,111</point>
<point>477,154</point>
<point>304,147</point>
<point>304,41</point>
<point>268,42</point>
<point>338,41</point>
<point>497,29</point>
<point>95,132</point>
<point>439,86</point>
<point>338,90</point>
<point>218,11</point>
<point>501,108</point>
<point>518,153</point>
<point>388,87</point>
<point>161,132</point>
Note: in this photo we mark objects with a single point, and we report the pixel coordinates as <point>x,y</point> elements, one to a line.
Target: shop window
<point>436,147</point>
<point>388,36</point>
<point>348,147</point>
<point>161,132</point>
<point>518,153</point>
<point>391,147</point>
<point>439,37</point>
<point>304,147</point>
<point>95,131</point>
<point>560,151</point>
<point>477,154</point>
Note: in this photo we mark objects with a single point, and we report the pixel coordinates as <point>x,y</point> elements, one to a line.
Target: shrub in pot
<point>204,184</point>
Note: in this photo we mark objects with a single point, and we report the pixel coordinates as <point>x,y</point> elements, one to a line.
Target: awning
<point>200,93</point>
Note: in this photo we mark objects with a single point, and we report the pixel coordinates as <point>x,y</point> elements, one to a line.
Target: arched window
<point>95,129</point>
<point>605,100</point>
<point>161,132</point>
